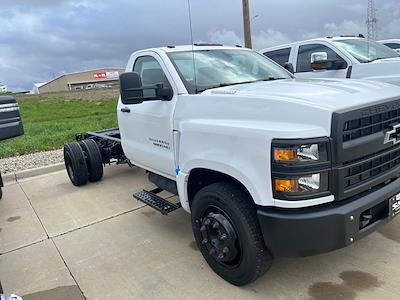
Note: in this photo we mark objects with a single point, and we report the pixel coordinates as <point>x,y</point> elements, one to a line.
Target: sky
<point>41,39</point>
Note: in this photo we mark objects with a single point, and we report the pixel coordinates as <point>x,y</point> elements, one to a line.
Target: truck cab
<point>339,57</point>
<point>266,164</point>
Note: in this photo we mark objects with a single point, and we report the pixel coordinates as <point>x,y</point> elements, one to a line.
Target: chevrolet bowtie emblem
<point>393,136</point>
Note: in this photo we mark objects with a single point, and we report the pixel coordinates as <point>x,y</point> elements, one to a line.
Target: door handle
<point>126,109</point>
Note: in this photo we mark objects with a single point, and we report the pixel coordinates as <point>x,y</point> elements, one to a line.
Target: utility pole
<point>372,21</point>
<point>246,24</point>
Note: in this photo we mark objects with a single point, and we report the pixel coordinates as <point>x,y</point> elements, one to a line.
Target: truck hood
<point>383,70</point>
<point>327,94</point>
<point>387,60</point>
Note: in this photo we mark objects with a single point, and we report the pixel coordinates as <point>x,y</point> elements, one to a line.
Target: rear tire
<point>75,163</point>
<point>94,159</point>
<point>234,248</point>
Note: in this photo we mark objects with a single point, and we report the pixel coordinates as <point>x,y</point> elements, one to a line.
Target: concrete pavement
<point>96,242</point>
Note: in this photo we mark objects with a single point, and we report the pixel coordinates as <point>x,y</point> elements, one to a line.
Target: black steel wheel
<point>75,163</point>
<point>228,234</point>
<point>94,159</point>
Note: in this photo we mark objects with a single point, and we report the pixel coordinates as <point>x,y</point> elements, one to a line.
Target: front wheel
<point>228,234</point>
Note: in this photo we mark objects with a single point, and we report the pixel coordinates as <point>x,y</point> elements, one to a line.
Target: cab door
<point>146,128</point>
<point>303,62</point>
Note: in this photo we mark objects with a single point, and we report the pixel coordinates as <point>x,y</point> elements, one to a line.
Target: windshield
<point>365,50</point>
<point>223,67</point>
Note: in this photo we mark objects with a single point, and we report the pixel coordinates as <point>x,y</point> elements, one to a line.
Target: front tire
<point>75,163</point>
<point>227,232</point>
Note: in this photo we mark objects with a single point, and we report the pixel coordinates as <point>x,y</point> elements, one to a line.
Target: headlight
<point>301,184</point>
<point>300,153</point>
<point>300,168</point>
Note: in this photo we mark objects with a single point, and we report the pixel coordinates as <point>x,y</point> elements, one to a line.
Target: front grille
<point>361,159</point>
<point>360,127</point>
<point>371,168</point>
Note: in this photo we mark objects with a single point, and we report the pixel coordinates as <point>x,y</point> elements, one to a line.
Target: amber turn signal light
<point>285,154</point>
<point>285,185</point>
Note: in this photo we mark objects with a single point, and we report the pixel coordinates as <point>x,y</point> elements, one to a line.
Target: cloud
<point>40,39</point>
<point>261,39</point>
<point>269,38</point>
<point>226,37</point>
<point>344,28</point>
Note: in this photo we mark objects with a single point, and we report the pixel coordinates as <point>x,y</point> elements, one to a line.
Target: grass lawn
<point>49,123</point>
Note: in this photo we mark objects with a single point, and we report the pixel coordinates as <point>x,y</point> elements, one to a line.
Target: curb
<point>14,177</point>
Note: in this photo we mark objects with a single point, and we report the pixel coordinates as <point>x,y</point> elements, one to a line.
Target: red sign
<point>100,75</point>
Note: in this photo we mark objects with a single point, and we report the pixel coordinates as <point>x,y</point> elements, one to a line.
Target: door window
<point>151,73</point>
<point>305,52</point>
<point>279,56</point>
<point>393,45</point>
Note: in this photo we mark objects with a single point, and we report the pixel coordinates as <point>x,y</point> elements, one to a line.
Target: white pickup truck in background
<point>267,164</point>
<point>393,44</point>
<point>338,57</point>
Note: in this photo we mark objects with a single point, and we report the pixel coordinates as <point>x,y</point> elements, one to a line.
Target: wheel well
<point>200,178</point>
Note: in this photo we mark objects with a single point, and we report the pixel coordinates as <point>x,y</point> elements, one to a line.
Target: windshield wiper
<point>237,83</point>
<point>224,85</point>
<point>274,78</point>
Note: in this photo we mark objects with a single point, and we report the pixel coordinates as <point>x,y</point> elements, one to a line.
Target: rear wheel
<point>94,159</point>
<point>75,163</point>
<point>227,232</point>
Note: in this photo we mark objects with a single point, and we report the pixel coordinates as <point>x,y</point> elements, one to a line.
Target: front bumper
<point>314,230</point>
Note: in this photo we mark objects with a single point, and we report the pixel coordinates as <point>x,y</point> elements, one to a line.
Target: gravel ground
<point>30,161</point>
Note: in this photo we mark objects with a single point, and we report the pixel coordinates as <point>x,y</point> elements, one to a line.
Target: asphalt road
<point>96,242</point>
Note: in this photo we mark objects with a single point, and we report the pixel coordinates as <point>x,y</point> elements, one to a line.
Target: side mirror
<point>319,61</point>
<point>288,66</point>
<point>319,56</point>
<point>164,93</point>
<point>131,89</point>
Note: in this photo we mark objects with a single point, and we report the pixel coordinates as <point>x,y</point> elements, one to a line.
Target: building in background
<point>3,88</point>
<point>36,86</point>
<point>85,80</point>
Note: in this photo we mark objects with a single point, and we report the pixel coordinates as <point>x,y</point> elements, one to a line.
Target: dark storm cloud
<point>45,38</point>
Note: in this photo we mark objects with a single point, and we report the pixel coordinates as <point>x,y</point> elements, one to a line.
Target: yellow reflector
<point>285,154</point>
<point>285,185</point>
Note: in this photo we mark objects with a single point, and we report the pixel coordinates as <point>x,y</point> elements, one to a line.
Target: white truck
<point>392,43</point>
<point>267,165</point>
<point>10,123</point>
<point>338,57</point>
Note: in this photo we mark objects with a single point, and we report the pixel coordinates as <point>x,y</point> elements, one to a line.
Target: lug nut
<point>225,250</point>
<point>215,225</point>
<point>207,222</point>
<point>223,237</point>
<point>220,256</point>
<point>205,241</point>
